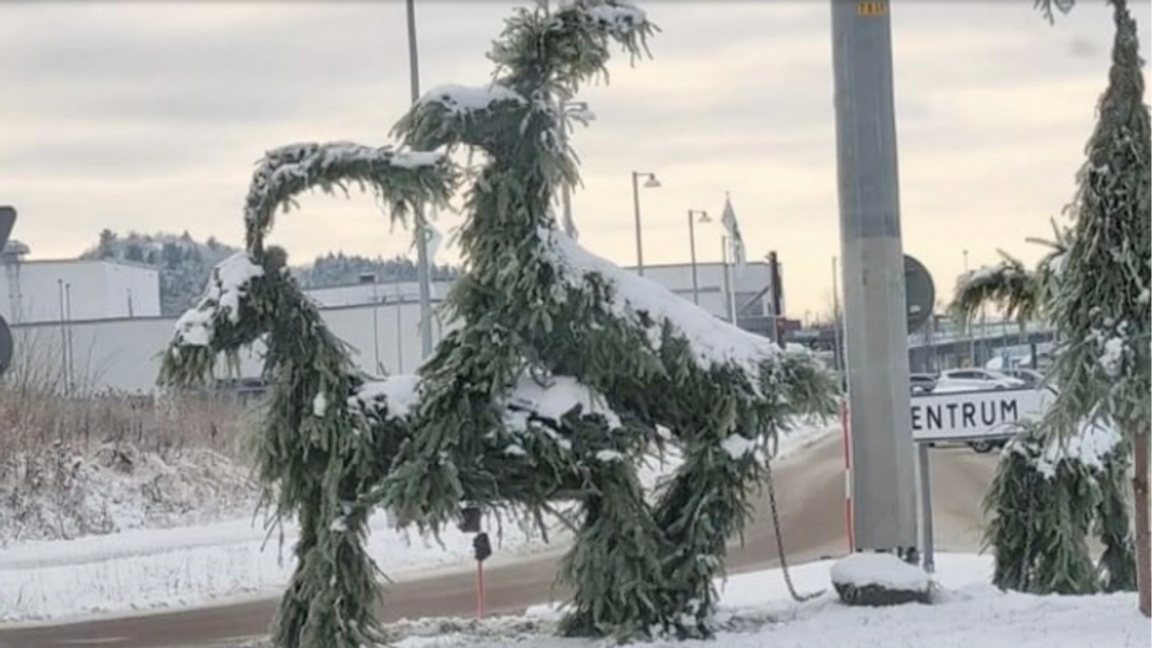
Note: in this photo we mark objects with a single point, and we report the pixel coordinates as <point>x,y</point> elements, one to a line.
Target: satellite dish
<point>920,293</point>
<point>5,346</point>
<point>7,220</point>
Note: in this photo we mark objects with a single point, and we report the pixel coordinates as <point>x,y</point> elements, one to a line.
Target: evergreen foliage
<point>1020,293</point>
<point>1102,309</point>
<point>555,385</point>
<point>1048,496</point>
<point>1094,289</point>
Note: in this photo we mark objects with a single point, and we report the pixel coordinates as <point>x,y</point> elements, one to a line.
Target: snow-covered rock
<point>879,579</point>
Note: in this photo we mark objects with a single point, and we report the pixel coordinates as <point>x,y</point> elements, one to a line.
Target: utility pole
<point>837,352</point>
<point>423,271</point>
<point>872,257</point>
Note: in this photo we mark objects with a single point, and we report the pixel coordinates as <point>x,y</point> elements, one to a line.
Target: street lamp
<point>692,213</point>
<point>423,263</point>
<point>650,183</point>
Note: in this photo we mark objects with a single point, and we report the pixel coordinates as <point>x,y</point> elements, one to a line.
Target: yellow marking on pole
<point>871,8</point>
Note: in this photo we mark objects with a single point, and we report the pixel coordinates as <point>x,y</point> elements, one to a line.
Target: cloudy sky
<point>149,116</point>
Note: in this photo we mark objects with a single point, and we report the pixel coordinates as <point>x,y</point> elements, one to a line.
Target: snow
<point>756,611</point>
<point>416,159</point>
<point>1090,446</point>
<point>159,568</point>
<point>227,286</point>
<point>883,569</point>
<point>194,565</point>
<point>62,493</point>
<point>1112,358</point>
<point>400,394</point>
<point>738,446</point>
<point>319,405</point>
<point>558,396</point>
<point>459,99</point>
<point>711,341</point>
<point>619,18</point>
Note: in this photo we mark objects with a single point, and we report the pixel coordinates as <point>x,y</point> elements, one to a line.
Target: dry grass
<point>40,407</point>
<point>76,461</point>
<point>33,418</point>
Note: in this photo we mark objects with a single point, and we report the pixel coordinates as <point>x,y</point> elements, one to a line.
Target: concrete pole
<point>872,262</point>
<point>837,352</point>
<point>423,271</point>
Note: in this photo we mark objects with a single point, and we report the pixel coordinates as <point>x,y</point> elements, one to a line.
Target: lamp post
<point>692,214</point>
<point>423,269</point>
<point>650,183</point>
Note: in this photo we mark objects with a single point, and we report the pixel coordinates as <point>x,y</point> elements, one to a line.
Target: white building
<point>122,354</point>
<point>39,291</point>
<point>753,295</point>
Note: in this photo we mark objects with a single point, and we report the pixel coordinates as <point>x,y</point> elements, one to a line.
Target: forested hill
<point>184,264</point>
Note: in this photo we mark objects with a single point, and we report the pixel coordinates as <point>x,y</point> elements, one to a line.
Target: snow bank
<point>158,568</point>
<point>193,566</point>
<point>64,493</point>
<point>756,611</point>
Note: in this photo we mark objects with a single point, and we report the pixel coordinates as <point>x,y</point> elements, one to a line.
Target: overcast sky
<point>149,116</point>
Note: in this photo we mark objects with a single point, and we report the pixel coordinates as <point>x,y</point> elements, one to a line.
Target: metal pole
<point>692,248</point>
<point>929,541</point>
<point>728,296</point>
<point>837,351</point>
<point>636,213</point>
<point>68,327</point>
<point>399,327</point>
<point>876,330</point>
<point>376,321</point>
<point>423,272</point>
<point>63,336</point>
<point>968,325</point>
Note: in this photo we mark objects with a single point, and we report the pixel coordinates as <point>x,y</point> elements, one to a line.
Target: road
<point>810,497</point>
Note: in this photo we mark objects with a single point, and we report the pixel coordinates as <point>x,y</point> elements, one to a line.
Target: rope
<point>780,541</point>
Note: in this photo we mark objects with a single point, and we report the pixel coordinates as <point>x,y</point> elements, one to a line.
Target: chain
<point>780,540</point>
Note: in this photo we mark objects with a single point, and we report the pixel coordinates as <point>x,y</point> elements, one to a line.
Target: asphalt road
<point>810,497</point>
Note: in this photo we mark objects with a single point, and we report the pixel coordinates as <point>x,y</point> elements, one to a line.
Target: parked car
<point>974,379</point>
<point>1031,377</point>
<point>922,383</point>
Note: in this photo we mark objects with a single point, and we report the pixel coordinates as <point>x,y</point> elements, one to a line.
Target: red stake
<point>849,521</point>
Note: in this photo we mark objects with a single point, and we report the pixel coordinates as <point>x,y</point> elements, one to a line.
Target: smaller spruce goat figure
<point>564,372</point>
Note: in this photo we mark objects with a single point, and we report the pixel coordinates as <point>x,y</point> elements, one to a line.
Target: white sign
<point>969,415</point>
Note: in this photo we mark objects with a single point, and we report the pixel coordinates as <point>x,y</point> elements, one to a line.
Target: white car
<point>975,379</point>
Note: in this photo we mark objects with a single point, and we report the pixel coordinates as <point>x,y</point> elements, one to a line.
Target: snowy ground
<point>757,612</point>
<point>61,493</point>
<point>144,569</point>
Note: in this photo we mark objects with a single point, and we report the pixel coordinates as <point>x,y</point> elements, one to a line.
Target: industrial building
<point>752,299</point>
<point>40,291</point>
